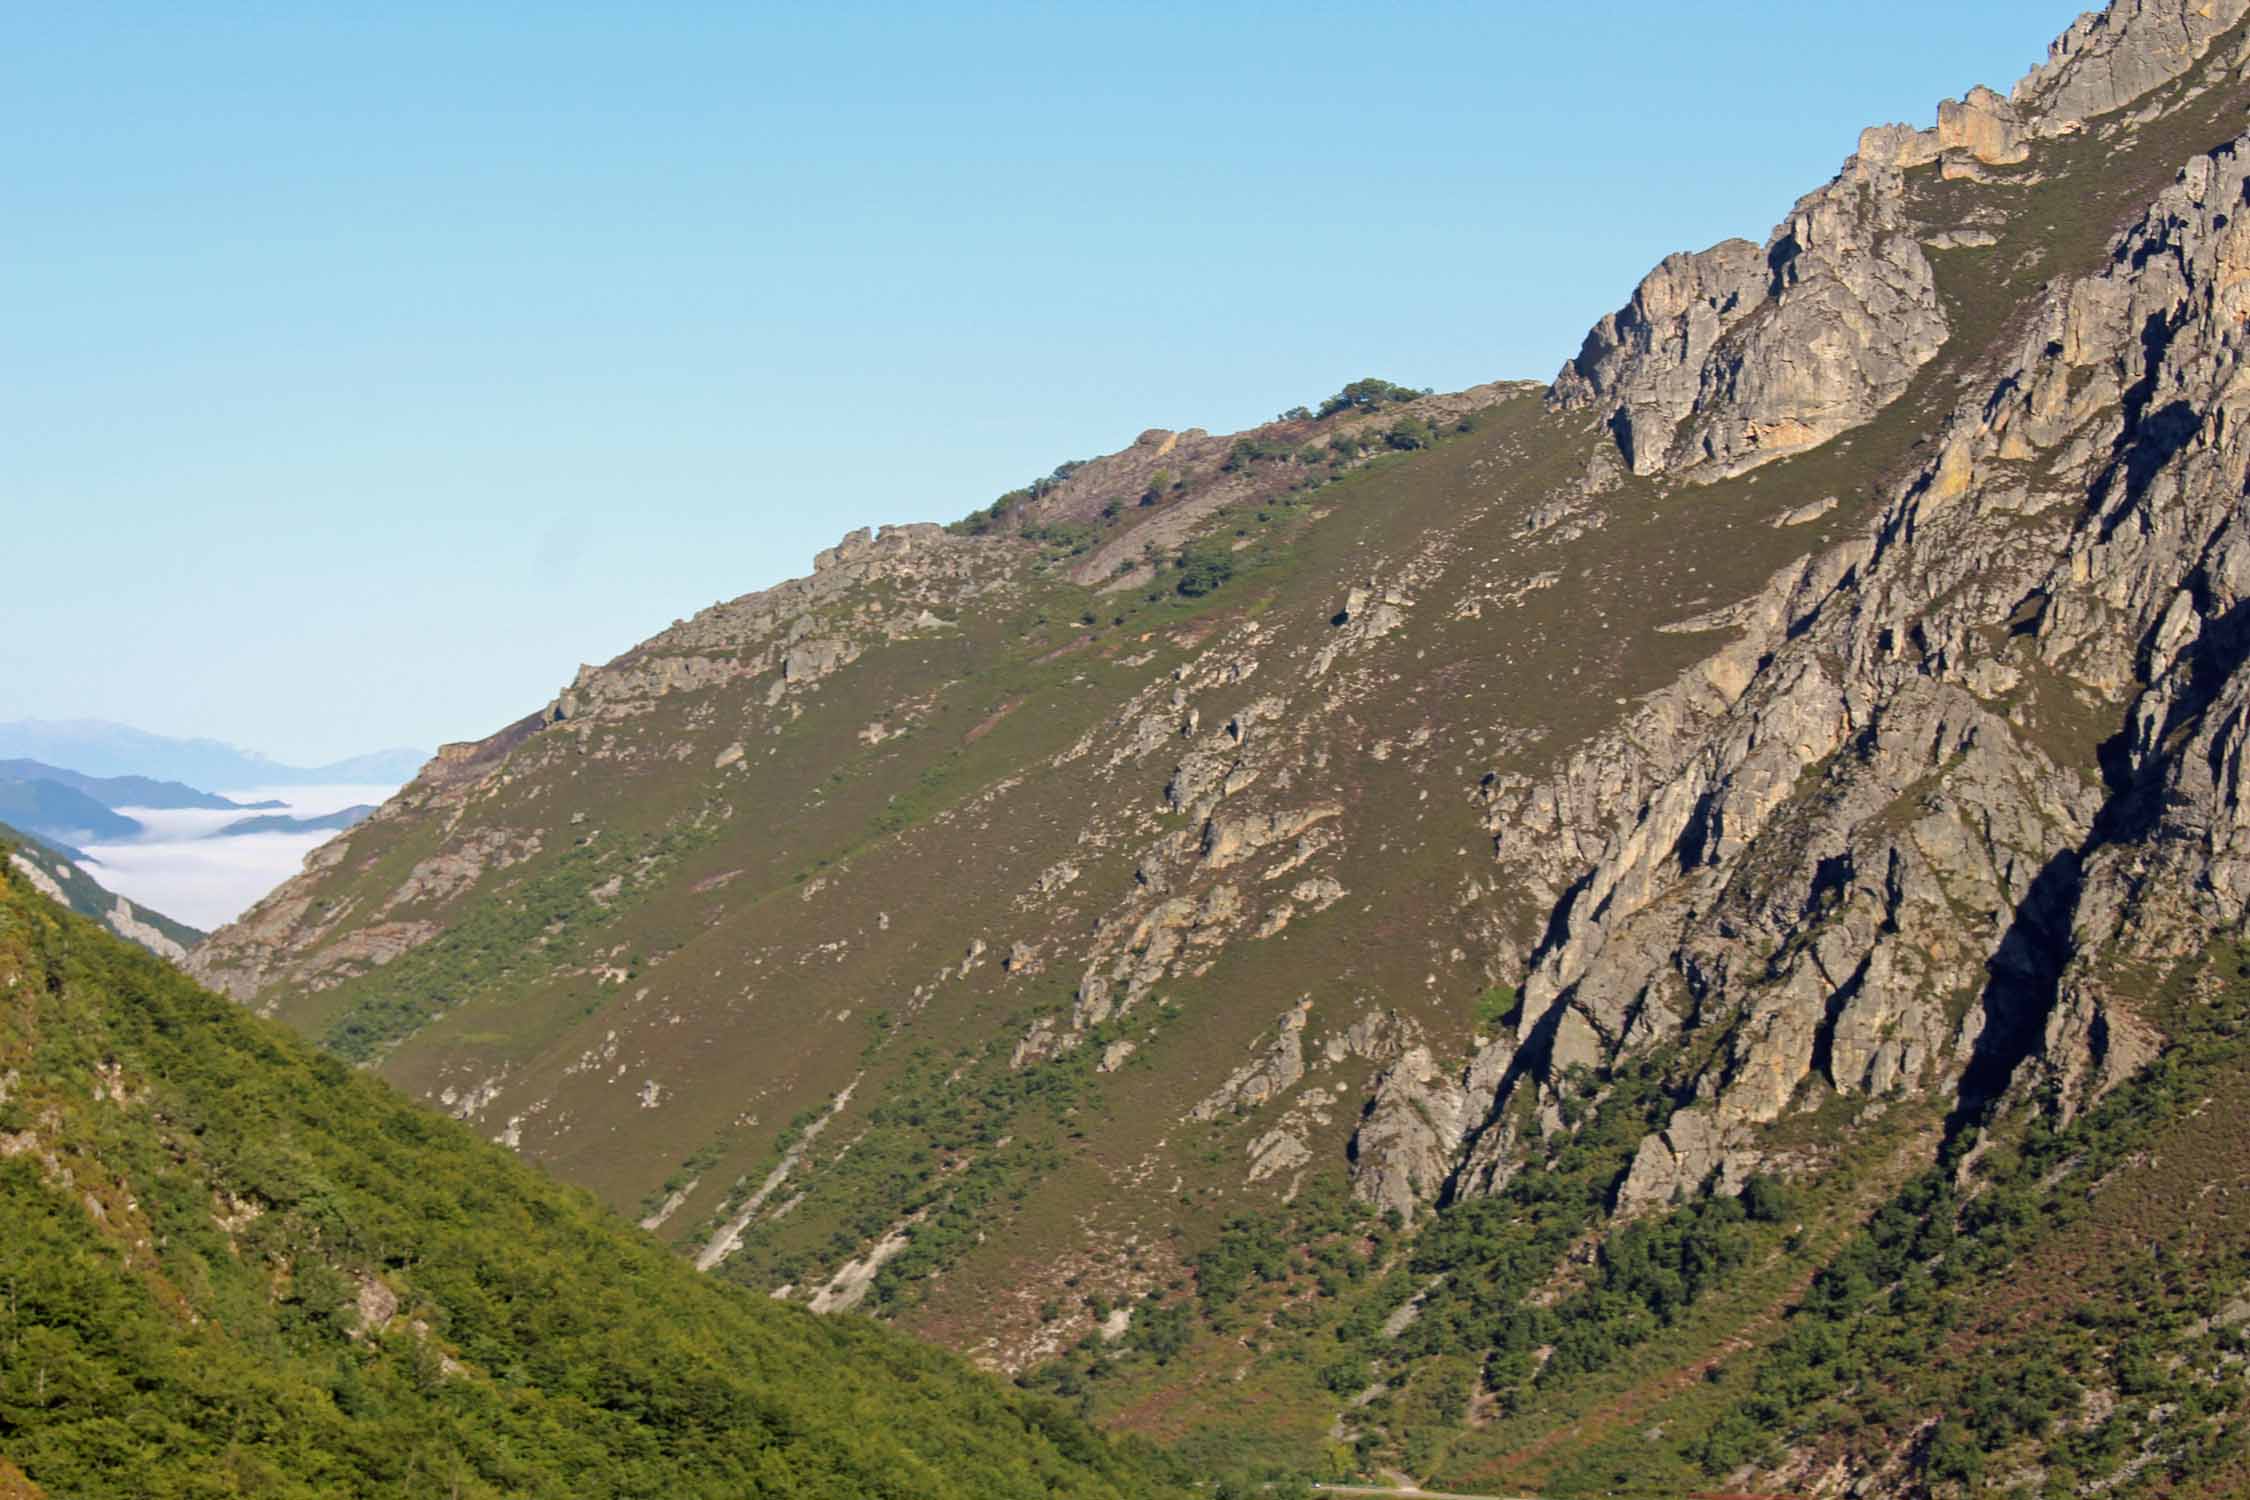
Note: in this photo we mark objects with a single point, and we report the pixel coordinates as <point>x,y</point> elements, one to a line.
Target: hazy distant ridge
<point>98,748</point>
<point>115,792</point>
<point>344,817</point>
<point>58,812</point>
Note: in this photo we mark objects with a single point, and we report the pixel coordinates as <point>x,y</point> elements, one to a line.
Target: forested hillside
<point>231,1266</point>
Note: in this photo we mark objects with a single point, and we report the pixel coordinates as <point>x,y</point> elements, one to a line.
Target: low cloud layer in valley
<point>178,867</point>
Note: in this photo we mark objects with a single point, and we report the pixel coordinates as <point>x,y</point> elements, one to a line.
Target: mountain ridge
<point>343,817</point>
<point>1422,882</point>
<point>114,792</point>
<point>103,749</point>
<point>59,813</point>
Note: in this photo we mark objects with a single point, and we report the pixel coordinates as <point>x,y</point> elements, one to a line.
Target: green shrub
<point>1494,1006</point>
<point>1204,568</point>
<point>1369,394</point>
<point>1409,433</point>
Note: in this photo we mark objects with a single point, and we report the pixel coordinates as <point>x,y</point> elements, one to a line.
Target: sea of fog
<point>179,870</point>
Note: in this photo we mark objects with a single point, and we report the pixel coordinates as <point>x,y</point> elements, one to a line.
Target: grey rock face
<point>1730,358</point>
<point>809,660</point>
<point>126,923</point>
<point>1647,358</point>
<point>1406,1145</point>
<point>1741,354</point>
<point>1982,127</point>
<point>1692,1153</point>
<point>1410,1138</point>
<point>2110,58</point>
<point>1855,843</point>
<point>1272,1073</point>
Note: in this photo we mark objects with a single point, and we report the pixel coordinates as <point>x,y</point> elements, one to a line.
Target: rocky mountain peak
<point>1735,356</point>
<point>2118,55</point>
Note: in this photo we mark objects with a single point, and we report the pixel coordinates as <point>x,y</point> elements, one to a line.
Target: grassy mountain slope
<point>232,1266</point>
<point>1452,933</point>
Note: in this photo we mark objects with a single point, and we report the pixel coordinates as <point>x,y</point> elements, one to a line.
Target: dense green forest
<point>230,1265</point>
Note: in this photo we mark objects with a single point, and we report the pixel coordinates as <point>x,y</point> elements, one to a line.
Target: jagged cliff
<point>1798,746</point>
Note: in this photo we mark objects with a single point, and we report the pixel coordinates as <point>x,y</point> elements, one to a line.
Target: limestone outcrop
<point>2116,56</point>
<point>1886,850</point>
<point>1419,1115</point>
<point>1272,1073</point>
<point>1742,354</point>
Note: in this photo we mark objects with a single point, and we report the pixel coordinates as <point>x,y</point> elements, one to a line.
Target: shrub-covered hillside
<point>231,1266</point>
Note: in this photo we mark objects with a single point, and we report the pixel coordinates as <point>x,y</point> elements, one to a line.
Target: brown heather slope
<point>1253,1002</point>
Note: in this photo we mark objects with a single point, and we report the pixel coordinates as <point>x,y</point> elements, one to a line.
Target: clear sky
<point>365,368</point>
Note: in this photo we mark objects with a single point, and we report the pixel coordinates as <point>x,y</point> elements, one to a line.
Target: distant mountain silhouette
<point>99,748</point>
<point>121,791</point>
<point>344,817</point>
<point>61,815</point>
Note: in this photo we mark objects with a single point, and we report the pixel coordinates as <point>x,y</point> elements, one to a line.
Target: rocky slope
<point>1361,900</point>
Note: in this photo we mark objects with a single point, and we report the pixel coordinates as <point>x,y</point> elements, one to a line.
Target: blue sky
<point>366,368</point>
